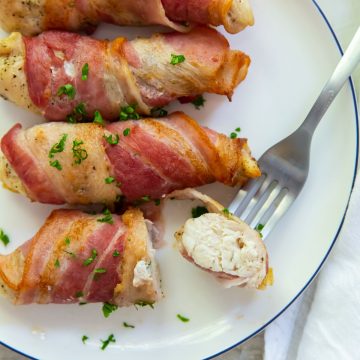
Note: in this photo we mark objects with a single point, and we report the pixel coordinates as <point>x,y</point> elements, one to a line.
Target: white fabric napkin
<point>331,329</point>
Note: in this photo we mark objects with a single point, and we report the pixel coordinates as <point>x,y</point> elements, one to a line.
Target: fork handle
<point>343,70</point>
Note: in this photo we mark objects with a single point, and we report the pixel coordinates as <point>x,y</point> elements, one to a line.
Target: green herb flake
<point>58,147</point>
<point>82,303</point>
<point>182,318</point>
<point>100,271</point>
<point>91,259</point>
<point>67,241</point>
<point>71,119</point>
<point>129,112</point>
<point>112,141</point>
<point>177,59</point>
<point>56,164</point>
<point>109,180</point>
<point>199,102</point>
<point>258,228</point>
<point>126,132</point>
<point>84,339</point>
<point>85,72</point>
<point>107,309</point>
<point>80,109</point>
<point>67,90</point>
<point>79,294</point>
<point>79,113</point>
<point>57,263</point>
<point>143,303</point>
<point>233,135</point>
<point>157,202</point>
<point>238,129</point>
<point>125,324</point>
<point>226,211</point>
<point>4,238</point>
<point>105,343</point>
<point>107,218</point>
<point>116,253</point>
<point>79,153</point>
<point>98,119</point>
<point>158,112</point>
<point>198,211</point>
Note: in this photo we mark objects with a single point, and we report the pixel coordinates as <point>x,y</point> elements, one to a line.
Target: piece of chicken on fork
<point>223,245</point>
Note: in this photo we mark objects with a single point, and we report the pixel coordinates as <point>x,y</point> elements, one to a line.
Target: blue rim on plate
<point>337,233</point>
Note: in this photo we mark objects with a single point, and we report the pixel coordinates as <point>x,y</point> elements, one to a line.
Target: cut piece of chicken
<point>222,244</point>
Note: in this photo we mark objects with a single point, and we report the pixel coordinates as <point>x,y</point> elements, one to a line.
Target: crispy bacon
<point>54,266</point>
<point>152,158</point>
<point>120,73</point>
<point>32,17</point>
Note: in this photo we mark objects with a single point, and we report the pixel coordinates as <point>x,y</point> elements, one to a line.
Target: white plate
<point>293,52</point>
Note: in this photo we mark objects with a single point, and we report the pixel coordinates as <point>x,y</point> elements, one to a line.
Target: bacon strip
<point>52,267</point>
<point>33,17</point>
<point>120,72</point>
<point>152,158</point>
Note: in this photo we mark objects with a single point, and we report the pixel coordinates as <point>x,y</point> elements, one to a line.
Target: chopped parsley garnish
<point>226,211</point>
<point>4,238</point>
<point>67,90</point>
<point>79,153</point>
<point>80,109</point>
<point>198,211</point>
<point>85,72</point>
<point>79,294</point>
<point>84,338</point>
<point>157,202</point>
<point>198,102</point>
<point>142,200</point>
<point>67,241</point>
<point>78,114</point>
<point>107,309</point>
<point>90,259</point>
<point>58,147</point>
<point>144,303</point>
<point>129,112</point>
<point>182,318</point>
<point>125,324</point>
<point>106,342</point>
<point>82,303</point>
<point>109,180</point>
<point>57,263</point>
<point>98,119</point>
<point>111,140</point>
<point>107,218</point>
<point>116,253</point>
<point>258,228</point>
<point>234,135</point>
<point>56,164</point>
<point>158,112</point>
<point>177,59</point>
<point>71,119</point>
<point>100,271</point>
<point>126,132</point>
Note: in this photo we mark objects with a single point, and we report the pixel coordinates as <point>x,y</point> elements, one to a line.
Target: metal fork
<point>285,166</point>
